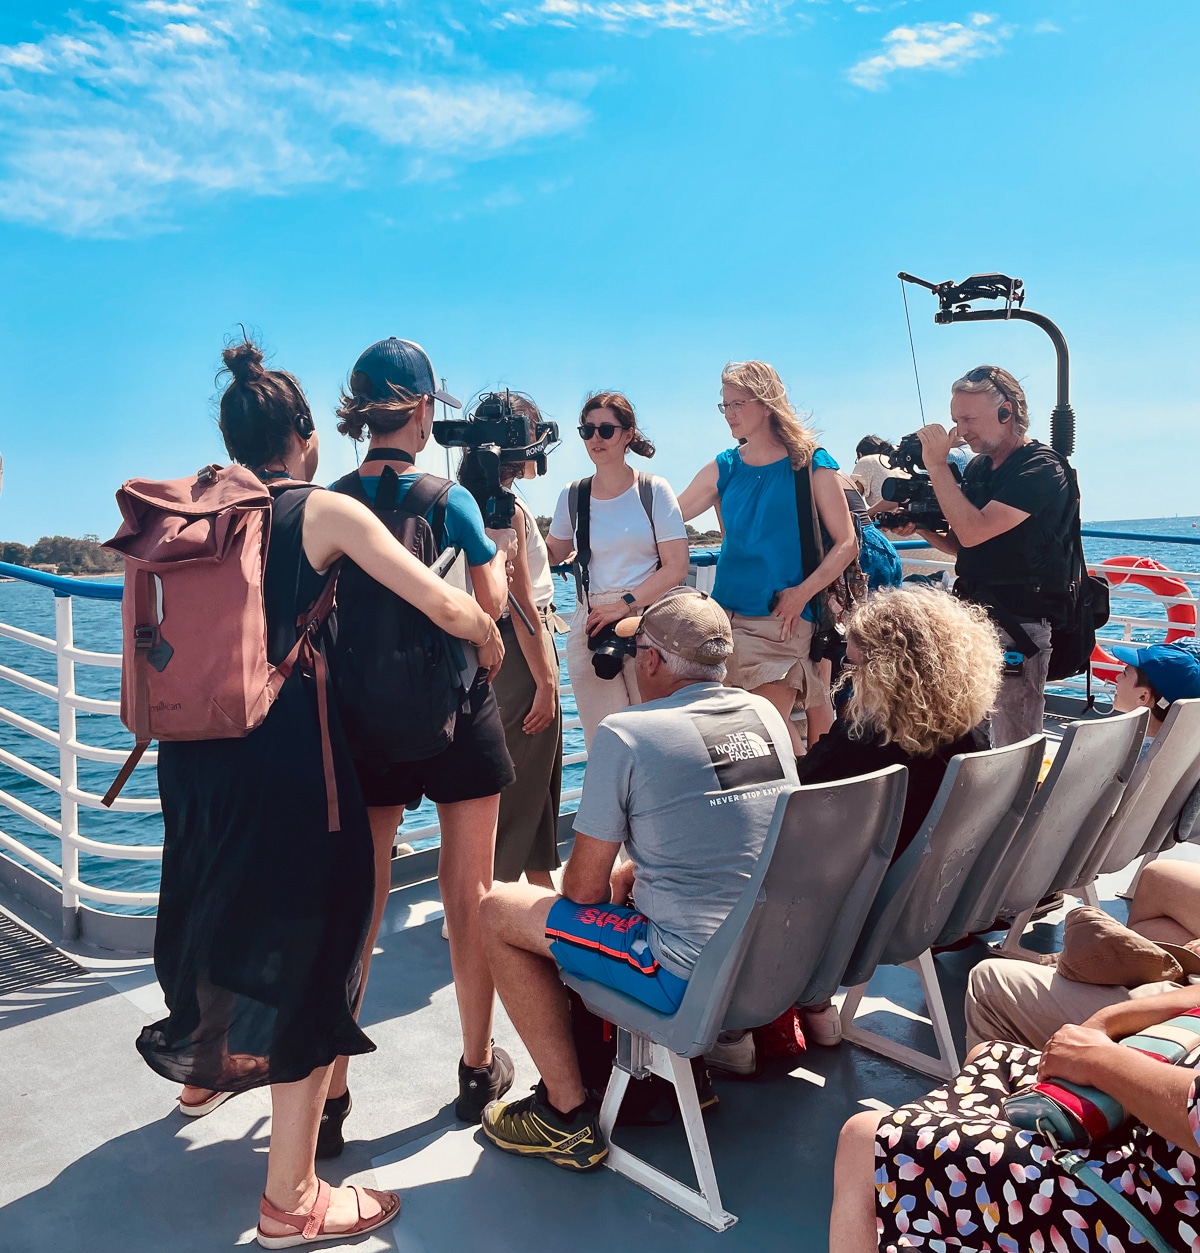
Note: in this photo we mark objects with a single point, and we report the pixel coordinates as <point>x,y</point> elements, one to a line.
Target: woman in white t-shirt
<point>635,557</point>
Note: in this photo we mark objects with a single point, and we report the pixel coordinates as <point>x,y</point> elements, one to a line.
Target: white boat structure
<point>94,1156</point>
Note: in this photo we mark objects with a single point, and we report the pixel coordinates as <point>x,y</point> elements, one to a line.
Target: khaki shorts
<point>760,656</point>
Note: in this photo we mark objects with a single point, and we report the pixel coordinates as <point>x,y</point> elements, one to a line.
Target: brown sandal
<point>310,1227</point>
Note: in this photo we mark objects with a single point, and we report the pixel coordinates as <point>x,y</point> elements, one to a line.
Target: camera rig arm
<point>955,300</point>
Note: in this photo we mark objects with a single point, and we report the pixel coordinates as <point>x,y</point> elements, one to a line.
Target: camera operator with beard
<point>1009,523</point>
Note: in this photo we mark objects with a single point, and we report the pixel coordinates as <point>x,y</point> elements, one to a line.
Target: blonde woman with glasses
<point>761,581</point>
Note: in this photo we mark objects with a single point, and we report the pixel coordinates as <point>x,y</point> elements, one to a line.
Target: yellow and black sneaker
<point>532,1128</point>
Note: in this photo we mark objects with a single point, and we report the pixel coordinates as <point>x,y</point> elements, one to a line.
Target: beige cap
<point>685,622</point>
<point>1098,949</point>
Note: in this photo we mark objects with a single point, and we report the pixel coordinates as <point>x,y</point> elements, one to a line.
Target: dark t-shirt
<point>1025,569</point>
<point>837,755</point>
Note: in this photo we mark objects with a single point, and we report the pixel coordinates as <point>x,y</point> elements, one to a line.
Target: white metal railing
<point>71,750</point>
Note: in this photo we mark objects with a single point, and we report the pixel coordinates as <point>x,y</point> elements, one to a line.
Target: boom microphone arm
<point>954,300</point>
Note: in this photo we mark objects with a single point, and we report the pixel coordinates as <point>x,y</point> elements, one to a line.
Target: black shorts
<point>476,764</point>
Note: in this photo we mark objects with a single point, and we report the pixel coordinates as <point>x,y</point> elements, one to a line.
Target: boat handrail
<point>76,893</point>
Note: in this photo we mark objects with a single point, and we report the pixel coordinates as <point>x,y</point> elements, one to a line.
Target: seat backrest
<point>834,847</point>
<point>1160,784</point>
<point>978,793</point>
<point>1065,818</point>
<point>981,884</point>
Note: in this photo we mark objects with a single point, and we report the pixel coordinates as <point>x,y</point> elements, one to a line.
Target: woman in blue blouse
<point>761,582</point>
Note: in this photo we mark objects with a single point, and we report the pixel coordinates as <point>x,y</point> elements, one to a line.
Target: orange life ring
<point>1139,570</point>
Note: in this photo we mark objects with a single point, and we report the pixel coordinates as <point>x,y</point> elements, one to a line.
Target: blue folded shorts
<point>608,944</point>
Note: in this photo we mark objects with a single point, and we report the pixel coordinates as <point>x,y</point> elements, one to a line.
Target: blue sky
<point>562,195</point>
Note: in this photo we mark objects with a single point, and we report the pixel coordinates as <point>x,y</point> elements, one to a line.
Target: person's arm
<point>587,879</point>
<point>700,494</point>
<point>835,517</point>
<point>971,526</point>
<point>1139,1012</point>
<point>337,525</point>
<point>1154,1093</point>
<point>560,549</point>
<point>535,648</point>
<point>489,582</point>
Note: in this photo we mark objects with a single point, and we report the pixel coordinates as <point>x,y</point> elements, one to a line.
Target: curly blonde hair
<point>764,384</point>
<point>930,671</point>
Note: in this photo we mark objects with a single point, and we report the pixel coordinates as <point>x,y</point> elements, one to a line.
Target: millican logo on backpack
<point>740,748</point>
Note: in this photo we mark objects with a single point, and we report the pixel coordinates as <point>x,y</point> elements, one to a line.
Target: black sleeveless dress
<point>263,912</point>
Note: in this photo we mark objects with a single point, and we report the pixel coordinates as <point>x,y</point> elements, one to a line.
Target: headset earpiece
<point>1004,413</point>
<point>304,425</point>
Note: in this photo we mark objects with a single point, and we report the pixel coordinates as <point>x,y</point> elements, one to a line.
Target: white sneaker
<point>822,1026</point>
<point>736,1056</point>
<point>445,930</point>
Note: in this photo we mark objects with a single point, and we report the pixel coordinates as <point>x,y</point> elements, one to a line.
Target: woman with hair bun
<point>761,581</point>
<point>262,909</point>
<point>638,546</point>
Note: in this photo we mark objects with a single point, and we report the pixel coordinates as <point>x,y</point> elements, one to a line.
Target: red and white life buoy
<point>1141,571</point>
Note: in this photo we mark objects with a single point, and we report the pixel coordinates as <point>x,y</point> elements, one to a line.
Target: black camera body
<point>916,501</point>
<point>497,434</point>
<point>609,651</point>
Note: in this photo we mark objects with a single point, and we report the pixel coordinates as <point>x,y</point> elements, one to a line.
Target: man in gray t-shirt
<point>689,781</point>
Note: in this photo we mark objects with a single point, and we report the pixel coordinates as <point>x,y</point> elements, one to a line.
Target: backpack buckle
<point>145,637</point>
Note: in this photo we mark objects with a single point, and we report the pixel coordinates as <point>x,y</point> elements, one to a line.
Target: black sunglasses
<point>988,374</point>
<point>606,430</point>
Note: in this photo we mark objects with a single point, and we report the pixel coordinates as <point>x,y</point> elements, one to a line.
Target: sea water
<point>97,627</point>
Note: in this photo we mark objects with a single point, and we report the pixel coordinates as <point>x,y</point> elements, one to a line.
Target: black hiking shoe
<point>330,1141</point>
<point>478,1085</point>
<point>532,1129</point>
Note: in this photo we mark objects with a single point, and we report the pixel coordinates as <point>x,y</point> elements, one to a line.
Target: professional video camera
<point>915,494</point>
<point>496,433</point>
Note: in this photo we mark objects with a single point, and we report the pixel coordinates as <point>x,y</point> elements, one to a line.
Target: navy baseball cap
<point>400,362</point>
<point>1173,672</point>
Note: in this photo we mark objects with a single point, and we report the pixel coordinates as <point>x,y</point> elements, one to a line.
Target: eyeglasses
<point>989,374</point>
<point>733,404</point>
<point>606,430</point>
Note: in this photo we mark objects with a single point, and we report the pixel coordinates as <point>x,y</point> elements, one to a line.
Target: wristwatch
<point>629,599</point>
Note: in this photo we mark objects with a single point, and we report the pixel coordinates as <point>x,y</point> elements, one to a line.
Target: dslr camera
<point>916,501</point>
<point>496,433</point>
<point>609,651</point>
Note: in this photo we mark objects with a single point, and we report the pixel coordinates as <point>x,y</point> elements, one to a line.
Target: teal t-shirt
<point>761,552</point>
<point>464,528</point>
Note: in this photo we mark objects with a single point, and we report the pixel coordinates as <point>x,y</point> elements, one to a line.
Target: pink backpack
<point>194,626</point>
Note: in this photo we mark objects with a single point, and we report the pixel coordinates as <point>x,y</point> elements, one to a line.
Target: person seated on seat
<point>1155,676</point>
<point>688,781</point>
<point>950,1171</point>
<point>1011,999</point>
<point>923,670</point>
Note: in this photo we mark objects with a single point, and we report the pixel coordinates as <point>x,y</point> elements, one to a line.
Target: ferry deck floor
<point>94,1157</point>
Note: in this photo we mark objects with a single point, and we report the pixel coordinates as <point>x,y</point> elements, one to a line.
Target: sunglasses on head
<point>988,374</point>
<point>606,430</point>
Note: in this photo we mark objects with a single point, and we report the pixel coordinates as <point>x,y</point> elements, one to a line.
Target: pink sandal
<point>310,1227</point>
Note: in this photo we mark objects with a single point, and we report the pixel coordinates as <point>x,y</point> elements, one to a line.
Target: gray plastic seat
<point>1065,818</point>
<point>771,942</point>
<point>1161,782</point>
<point>983,796</point>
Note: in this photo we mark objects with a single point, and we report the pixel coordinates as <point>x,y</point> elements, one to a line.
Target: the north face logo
<point>742,746</point>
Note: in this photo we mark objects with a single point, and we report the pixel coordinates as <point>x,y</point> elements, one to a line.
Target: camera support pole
<point>955,300</point>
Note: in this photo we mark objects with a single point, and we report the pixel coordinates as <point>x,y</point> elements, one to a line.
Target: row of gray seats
<point>809,923</point>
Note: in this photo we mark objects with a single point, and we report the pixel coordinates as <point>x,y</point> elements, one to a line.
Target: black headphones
<point>1004,413</point>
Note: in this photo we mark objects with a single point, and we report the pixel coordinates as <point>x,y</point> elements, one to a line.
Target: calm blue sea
<point>97,627</point>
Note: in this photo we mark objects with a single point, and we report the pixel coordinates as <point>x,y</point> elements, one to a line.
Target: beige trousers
<point>1014,1000</point>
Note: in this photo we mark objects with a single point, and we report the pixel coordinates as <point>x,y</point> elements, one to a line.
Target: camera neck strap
<point>390,454</point>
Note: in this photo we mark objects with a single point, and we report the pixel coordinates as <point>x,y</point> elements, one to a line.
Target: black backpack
<point>395,674</point>
<point>1071,643</point>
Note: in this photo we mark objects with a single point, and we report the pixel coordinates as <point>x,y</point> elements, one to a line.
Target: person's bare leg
<point>1166,906</point>
<point>291,1178</point>
<point>783,698</point>
<point>819,718</point>
<point>540,879</point>
<point>514,929</point>
<point>852,1226</point>
<point>464,876</point>
<point>384,821</point>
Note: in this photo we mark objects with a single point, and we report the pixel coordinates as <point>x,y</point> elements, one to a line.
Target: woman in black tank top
<point>263,910</point>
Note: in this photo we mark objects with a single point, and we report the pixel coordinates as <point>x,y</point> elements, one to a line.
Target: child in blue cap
<point>1155,676</point>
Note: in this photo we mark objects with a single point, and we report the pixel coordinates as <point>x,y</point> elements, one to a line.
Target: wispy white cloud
<point>105,128</point>
<point>929,46</point>
<point>697,16</point>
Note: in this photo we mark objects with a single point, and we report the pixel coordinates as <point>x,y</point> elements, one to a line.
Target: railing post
<point>64,638</point>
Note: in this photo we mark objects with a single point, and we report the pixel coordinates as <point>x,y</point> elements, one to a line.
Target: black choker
<point>390,454</point>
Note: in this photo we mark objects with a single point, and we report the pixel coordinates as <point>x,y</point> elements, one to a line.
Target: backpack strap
<point>811,555</point>
<point>427,498</point>
<point>645,486</point>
